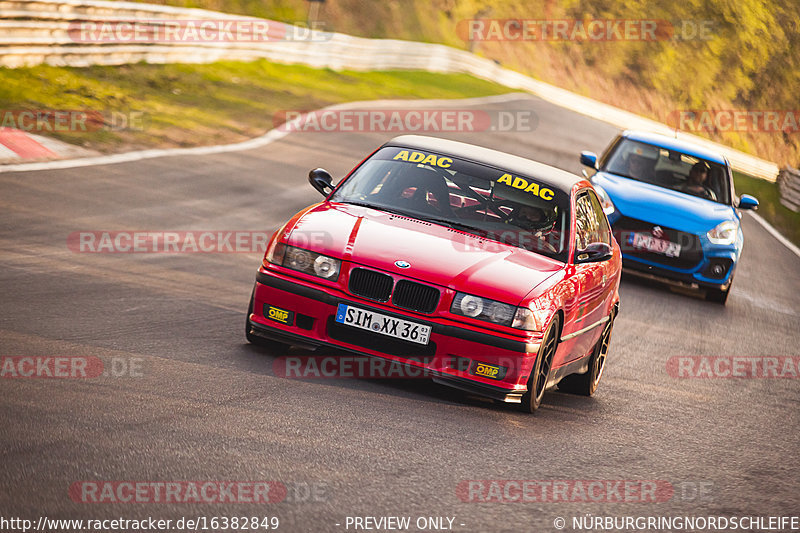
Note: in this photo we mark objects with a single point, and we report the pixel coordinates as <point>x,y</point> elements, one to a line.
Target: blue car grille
<point>691,251</point>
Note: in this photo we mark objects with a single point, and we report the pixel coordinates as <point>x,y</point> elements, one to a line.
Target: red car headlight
<point>303,260</point>
<point>495,312</point>
<point>275,253</point>
<point>525,319</point>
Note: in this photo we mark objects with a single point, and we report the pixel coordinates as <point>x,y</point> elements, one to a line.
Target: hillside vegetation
<point>194,105</point>
<point>747,57</point>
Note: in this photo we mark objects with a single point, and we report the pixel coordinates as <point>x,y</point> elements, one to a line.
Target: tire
<point>271,345</point>
<point>586,384</point>
<point>718,296</point>
<point>541,369</point>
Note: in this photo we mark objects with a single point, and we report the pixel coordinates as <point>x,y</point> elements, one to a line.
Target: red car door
<point>592,283</point>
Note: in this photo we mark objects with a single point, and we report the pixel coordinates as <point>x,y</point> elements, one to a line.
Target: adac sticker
<point>423,159</point>
<point>527,186</point>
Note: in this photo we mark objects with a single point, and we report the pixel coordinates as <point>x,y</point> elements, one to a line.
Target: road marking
<point>257,142</point>
<point>275,135</point>
<point>772,231</point>
<point>767,304</point>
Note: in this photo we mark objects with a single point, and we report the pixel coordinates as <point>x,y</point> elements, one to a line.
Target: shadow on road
<point>264,361</point>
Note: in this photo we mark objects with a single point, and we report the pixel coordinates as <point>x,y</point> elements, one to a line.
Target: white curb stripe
<point>7,153</point>
<point>257,142</point>
<point>275,134</point>
<point>772,231</point>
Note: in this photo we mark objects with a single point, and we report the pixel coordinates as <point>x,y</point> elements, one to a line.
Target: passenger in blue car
<point>696,183</point>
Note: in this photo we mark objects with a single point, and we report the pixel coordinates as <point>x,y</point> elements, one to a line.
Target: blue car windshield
<point>669,169</point>
<point>491,203</point>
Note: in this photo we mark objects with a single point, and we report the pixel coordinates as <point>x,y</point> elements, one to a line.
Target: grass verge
<point>179,105</point>
<point>787,222</point>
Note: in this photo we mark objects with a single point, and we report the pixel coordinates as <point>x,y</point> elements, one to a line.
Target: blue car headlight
<point>725,233</point>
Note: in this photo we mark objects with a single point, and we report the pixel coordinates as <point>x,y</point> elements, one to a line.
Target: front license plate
<point>383,324</point>
<point>659,246</point>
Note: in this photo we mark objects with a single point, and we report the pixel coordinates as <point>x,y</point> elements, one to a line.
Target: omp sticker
<point>528,186</point>
<point>279,315</point>
<point>486,370</point>
<point>423,159</point>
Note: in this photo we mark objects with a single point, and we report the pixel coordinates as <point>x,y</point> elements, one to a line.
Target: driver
<point>529,217</point>
<point>696,183</point>
<point>536,220</point>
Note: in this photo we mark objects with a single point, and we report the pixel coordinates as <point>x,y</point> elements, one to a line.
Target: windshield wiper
<point>455,225</point>
<point>621,175</point>
<point>374,206</point>
<point>442,221</point>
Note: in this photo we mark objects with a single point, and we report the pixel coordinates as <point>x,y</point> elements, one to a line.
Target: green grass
<point>191,105</point>
<point>784,220</point>
<point>194,105</point>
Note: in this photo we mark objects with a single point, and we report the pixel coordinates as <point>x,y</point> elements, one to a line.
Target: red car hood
<point>437,254</point>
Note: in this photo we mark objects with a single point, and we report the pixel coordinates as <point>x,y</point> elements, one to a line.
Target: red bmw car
<point>495,274</point>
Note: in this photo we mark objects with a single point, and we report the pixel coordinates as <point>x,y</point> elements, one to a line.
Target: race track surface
<point>204,405</point>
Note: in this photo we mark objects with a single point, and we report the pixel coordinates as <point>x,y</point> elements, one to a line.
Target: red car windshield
<point>492,203</point>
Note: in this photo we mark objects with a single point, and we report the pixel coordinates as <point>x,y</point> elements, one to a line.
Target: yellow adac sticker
<point>423,159</point>
<point>528,186</point>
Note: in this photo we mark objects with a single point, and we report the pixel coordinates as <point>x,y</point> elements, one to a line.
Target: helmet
<point>534,218</point>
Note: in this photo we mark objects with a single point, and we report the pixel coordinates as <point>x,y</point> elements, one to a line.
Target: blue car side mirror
<point>748,202</point>
<point>589,159</point>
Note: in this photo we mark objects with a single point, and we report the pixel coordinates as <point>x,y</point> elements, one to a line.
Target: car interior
<point>667,168</point>
<point>502,213</point>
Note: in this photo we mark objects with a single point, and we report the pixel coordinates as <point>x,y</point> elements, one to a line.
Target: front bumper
<point>447,357</point>
<point>701,263</point>
<point>695,278</point>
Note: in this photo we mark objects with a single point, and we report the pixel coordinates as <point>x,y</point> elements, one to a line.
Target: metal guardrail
<point>33,32</point>
<point>789,187</point>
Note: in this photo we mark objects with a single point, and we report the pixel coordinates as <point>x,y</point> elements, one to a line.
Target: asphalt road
<point>204,405</point>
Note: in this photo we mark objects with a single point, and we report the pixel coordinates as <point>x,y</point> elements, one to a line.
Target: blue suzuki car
<point>673,210</point>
